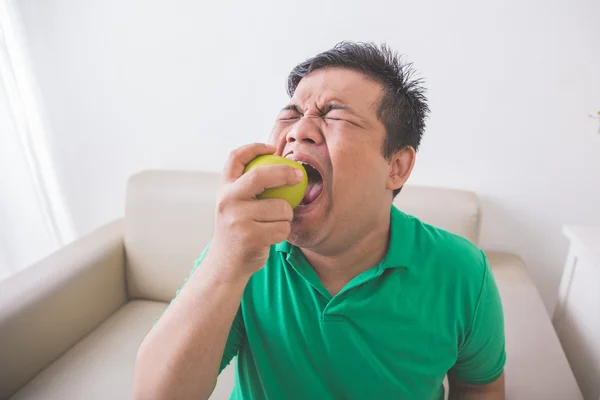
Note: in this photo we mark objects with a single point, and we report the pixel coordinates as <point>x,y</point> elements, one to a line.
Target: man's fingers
<point>238,158</point>
<point>267,210</point>
<point>257,180</point>
<point>274,232</point>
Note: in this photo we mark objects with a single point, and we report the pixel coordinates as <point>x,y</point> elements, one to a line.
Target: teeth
<point>289,156</point>
<point>298,161</point>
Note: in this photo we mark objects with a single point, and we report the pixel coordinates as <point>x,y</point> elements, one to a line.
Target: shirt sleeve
<point>482,355</point>
<point>235,340</point>
<point>237,332</point>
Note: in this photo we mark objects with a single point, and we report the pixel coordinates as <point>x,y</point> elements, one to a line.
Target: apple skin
<point>293,194</point>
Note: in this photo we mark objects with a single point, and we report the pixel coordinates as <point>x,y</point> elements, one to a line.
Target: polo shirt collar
<point>283,247</point>
<point>401,245</point>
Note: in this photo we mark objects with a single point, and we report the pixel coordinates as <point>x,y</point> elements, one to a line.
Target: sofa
<point>71,324</point>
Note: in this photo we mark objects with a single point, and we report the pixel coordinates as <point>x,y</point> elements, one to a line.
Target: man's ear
<point>401,166</point>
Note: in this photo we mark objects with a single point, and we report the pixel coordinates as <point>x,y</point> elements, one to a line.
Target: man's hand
<point>462,391</point>
<point>245,227</point>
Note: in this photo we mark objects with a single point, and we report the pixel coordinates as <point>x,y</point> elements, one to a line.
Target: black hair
<point>403,105</point>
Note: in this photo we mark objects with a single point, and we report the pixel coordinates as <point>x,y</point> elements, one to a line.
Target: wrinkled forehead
<point>341,85</point>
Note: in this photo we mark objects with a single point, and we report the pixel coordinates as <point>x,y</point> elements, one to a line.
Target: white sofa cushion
<point>101,365</point>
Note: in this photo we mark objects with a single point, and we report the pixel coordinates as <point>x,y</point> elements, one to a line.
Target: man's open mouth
<point>315,185</point>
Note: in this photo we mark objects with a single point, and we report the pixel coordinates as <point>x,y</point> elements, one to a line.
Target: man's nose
<point>306,130</point>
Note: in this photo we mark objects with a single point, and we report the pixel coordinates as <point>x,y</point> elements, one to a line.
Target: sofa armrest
<point>536,365</point>
<point>48,307</point>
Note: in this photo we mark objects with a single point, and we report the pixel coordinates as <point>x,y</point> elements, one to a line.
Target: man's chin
<point>302,235</point>
<point>308,222</point>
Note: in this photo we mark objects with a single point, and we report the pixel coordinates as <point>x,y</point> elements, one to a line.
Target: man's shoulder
<point>445,252</point>
<point>450,266</point>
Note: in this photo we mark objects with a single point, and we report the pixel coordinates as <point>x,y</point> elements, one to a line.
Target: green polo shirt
<point>429,308</point>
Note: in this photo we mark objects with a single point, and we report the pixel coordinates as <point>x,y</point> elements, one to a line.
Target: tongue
<point>312,192</point>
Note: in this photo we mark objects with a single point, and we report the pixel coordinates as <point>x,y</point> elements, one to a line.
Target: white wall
<point>131,85</point>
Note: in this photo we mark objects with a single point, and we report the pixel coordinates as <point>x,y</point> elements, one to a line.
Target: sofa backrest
<point>169,220</point>
<point>457,211</point>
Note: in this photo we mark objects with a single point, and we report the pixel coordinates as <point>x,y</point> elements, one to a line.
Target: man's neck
<point>335,271</point>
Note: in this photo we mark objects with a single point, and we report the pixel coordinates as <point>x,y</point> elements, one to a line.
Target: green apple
<point>293,194</point>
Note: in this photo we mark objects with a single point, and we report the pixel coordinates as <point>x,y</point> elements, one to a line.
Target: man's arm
<point>463,391</point>
<point>180,357</point>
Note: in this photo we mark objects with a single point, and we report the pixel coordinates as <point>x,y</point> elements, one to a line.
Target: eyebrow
<point>292,107</point>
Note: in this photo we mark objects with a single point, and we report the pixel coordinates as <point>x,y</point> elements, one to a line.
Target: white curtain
<point>33,217</point>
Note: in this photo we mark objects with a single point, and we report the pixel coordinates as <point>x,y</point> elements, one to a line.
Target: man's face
<point>331,124</point>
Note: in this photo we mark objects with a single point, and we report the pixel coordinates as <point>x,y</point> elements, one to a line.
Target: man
<point>344,297</point>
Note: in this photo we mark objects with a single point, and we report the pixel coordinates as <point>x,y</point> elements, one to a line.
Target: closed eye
<point>336,109</point>
<point>288,117</point>
<point>327,117</point>
<point>290,113</point>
